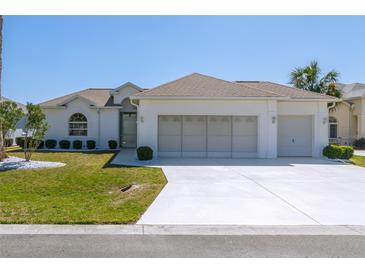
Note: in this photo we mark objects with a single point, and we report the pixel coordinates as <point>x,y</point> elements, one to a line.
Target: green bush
<point>90,144</point>
<point>77,144</point>
<point>8,142</point>
<point>51,143</point>
<point>359,143</point>
<point>64,144</point>
<point>144,153</point>
<point>338,152</point>
<point>20,141</point>
<point>112,144</point>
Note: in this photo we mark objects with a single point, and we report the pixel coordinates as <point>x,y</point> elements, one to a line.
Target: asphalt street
<point>180,246</point>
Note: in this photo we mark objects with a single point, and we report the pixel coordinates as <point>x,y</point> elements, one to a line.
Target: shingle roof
<point>22,106</point>
<point>283,90</point>
<point>198,85</point>
<point>100,97</point>
<point>352,91</point>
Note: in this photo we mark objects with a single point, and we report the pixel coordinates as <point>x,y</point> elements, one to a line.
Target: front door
<point>128,130</point>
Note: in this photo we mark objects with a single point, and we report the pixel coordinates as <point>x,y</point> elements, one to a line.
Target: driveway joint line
<point>273,193</point>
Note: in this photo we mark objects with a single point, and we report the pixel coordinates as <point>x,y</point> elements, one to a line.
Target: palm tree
<point>2,149</point>
<point>309,78</point>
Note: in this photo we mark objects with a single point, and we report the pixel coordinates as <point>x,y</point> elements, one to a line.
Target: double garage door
<point>207,136</point>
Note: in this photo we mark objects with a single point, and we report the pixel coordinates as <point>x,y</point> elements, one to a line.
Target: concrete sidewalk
<point>180,230</point>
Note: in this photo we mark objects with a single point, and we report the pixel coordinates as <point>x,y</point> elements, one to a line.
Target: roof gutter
<point>235,98</point>
<point>53,107</point>
<point>204,98</point>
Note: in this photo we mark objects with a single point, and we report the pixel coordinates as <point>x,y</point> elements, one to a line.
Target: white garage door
<point>244,136</point>
<point>207,136</point>
<point>194,136</point>
<point>219,136</point>
<point>169,135</point>
<point>295,136</point>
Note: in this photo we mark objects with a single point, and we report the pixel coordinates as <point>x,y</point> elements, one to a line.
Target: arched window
<point>332,124</point>
<point>77,125</point>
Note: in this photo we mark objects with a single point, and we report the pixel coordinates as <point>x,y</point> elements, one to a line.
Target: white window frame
<point>77,128</point>
<point>332,121</point>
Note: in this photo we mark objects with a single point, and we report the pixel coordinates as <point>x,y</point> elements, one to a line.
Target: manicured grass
<point>358,160</point>
<point>14,148</point>
<point>85,191</point>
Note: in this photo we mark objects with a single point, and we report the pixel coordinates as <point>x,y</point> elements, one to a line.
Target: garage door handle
<point>293,141</point>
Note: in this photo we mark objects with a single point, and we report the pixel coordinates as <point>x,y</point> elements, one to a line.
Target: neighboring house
<point>197,116</point>
<point>347,119</point>
<point>19,128</point>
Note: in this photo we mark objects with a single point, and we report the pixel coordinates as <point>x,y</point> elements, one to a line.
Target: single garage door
<point>207,136</point>
<point>295,136</point>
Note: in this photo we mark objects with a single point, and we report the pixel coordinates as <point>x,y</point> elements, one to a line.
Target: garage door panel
<point>244,139</point>
<point>169,134</point>
<point>194,125</point>
<point>219,144</point>
<point>295,136</point>
<point>194,139</point>
<point>194,143</point>
<point>244,125</point>
<point>169,143</point>
<point>244,143</point>
<point>219,125</point>
<point>219,136</point>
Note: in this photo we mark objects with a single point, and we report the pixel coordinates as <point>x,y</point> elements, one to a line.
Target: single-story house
<point>347,119</point>
<point>197,116</point>
<point>19,128</point>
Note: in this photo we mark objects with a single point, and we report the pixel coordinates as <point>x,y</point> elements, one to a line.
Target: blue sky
<point>49,56</point>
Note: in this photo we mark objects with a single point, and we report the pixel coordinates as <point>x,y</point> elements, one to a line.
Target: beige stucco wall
<point>343,115</point>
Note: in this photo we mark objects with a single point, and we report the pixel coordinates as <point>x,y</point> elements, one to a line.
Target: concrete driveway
<point>284,191</point>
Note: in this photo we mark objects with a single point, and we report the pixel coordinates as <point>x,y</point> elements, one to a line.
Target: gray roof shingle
<point>198,85</point>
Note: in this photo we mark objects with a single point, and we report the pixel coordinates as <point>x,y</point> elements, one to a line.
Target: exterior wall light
<point>273,119</point>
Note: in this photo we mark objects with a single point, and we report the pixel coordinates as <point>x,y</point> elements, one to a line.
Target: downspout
<point>331,106</point>
<point>352,106</point>
<point>138,118</point>
<point>98,111</point>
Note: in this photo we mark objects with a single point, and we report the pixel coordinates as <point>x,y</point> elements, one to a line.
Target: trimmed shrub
<point>41,145</point>
<point>77,144</point>
<point>144,153</point>
<point>359,143</point>
<point>51,143</point>
<point>90,144</point>
<point>20,142</point>
<point>338,152</point>
<point>112,144</point>
<point>64,144</point>
<point>8,142</point>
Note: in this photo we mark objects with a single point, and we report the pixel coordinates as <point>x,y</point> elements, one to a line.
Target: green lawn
<point>85,191</point>
<point>358,160</point>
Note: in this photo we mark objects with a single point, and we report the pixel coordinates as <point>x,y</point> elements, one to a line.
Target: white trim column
<point>272,129</point>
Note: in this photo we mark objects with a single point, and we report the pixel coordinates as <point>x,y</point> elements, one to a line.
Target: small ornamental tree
<point>35,128</point>
<point>10,114</point>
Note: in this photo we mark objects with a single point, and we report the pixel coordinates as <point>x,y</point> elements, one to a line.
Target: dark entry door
<point>128,130</point>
